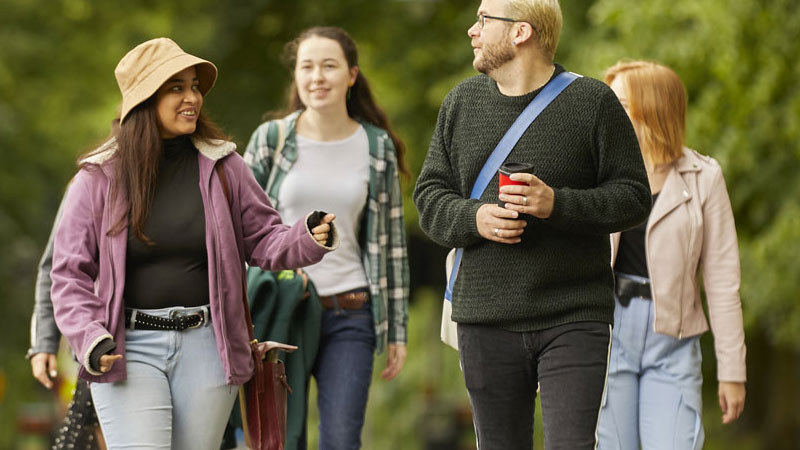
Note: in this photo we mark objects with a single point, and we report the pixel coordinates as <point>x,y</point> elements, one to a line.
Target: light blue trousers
<point>653,396</point>
<point>175,396</point>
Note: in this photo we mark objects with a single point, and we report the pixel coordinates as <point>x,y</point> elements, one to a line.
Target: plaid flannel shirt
<point>385,256</point>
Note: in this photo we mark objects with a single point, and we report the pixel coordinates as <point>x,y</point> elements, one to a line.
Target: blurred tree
<point>58,95</point>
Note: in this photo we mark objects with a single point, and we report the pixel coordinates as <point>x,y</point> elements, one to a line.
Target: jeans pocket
<point>348,325</point>
<point>689,431</point>
<point>684,358</point>
<point>146,345</point>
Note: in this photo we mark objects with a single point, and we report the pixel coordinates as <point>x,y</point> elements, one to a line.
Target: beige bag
<point>449,333</point>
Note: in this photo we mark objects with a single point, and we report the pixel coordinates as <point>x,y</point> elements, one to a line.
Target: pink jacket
<point>89,266</point>
<point>691,228</point>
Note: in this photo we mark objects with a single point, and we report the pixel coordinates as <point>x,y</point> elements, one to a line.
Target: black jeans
<point>502,370</point>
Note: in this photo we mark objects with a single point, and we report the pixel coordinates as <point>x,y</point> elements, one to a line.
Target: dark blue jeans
<point>343,370</point>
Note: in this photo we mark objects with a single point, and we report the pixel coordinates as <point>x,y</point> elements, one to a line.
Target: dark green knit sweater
<point>584,147</point>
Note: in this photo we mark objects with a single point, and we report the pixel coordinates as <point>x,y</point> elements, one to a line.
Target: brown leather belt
<point>345,300</point>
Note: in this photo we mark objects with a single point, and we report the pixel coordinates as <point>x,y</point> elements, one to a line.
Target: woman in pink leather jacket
<point>654,382</point>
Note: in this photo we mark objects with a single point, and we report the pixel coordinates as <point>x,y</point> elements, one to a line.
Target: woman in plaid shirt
<point>336,150</point>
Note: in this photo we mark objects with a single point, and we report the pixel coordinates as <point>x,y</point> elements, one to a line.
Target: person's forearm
<point>45,336</point>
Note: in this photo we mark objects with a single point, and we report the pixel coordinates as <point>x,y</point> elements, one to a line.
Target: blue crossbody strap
<point>504,147</point>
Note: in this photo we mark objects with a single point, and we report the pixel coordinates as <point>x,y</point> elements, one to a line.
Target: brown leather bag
<point>263,398</point>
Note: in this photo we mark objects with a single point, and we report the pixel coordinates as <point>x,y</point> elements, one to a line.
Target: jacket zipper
<point>110,253</point>
<point>689,245</point>
<point>218,261</point>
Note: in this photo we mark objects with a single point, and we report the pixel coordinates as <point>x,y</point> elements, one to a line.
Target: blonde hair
<point>657,105</point>
<point>545,18</point>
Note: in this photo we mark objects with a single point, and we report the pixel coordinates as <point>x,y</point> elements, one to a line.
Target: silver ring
<point>495,231</point>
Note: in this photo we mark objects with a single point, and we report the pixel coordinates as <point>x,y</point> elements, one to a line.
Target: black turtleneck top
<point>174,270</point>
<point>632,252</point>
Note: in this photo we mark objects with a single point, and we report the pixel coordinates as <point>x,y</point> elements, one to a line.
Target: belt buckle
<point>202,320</point>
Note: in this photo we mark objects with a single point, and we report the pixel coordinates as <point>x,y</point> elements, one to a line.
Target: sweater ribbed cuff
<point>472,225</point>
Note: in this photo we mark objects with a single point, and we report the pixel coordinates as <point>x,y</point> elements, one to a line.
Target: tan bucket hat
<point>145,68</point>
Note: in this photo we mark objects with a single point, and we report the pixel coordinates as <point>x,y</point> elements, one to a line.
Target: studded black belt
<point>137,320</point>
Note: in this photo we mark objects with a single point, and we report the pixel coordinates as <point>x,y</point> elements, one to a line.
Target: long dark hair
<point>360,104</point>
<point>136,161</point>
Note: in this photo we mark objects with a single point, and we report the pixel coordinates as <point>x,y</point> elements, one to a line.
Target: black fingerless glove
<point>314,219</point>
<point>106,346</point>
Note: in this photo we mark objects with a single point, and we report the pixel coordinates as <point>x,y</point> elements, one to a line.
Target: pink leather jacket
<point>691,228</point>
<point>89,266</point>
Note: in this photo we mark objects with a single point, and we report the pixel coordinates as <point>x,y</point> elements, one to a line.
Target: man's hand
<point>107,361</point>
<point>731,400</point>
<point>498,224</point>
<point>44,367</point>
<point>395,358</point>
<point>321,231</point>
<point>535,199</point>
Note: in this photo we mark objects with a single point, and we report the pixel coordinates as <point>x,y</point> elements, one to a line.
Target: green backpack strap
<point>272,134</point>
<point>276,136</point>
<point>276,139</point>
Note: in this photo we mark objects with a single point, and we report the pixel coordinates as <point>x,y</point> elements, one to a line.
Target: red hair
<point>657,106</point>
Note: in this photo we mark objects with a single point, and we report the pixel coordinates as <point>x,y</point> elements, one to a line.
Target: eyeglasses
<point>482,19</point>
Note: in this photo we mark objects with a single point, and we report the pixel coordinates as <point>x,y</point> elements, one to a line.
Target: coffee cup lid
<point>516,167</point>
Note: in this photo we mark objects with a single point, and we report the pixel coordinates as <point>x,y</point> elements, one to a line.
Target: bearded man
<point>534,296</point>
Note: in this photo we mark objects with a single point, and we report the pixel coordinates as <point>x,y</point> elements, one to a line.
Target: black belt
<point>627,289</point>
<point>137,320</point>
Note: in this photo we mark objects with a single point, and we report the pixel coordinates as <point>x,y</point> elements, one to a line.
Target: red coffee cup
<point>510,168</point>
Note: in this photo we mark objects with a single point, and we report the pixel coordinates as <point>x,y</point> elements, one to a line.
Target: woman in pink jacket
<point>149,257</point>
<point>654,381</point>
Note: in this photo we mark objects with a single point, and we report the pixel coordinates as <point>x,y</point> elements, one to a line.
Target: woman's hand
<point>731,400</point>
<point>395,358</point>
<point>44,367</point>
<point>107,361</point>
<point>266,346</point>
<point>320,232</point>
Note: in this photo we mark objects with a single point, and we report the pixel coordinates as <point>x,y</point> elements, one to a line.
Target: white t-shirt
<point>333,177</point>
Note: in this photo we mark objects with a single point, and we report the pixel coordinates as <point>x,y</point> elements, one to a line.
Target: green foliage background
<point>737,59</point>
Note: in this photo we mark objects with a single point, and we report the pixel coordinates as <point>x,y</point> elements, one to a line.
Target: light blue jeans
<point>654,386</point>
<point>175,396</point>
